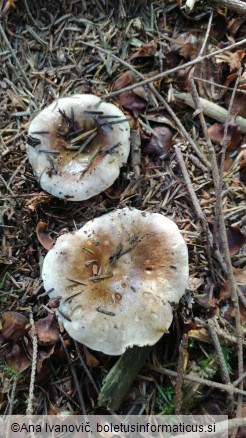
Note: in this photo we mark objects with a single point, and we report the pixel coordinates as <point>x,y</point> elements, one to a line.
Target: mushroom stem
<point>121,376</point>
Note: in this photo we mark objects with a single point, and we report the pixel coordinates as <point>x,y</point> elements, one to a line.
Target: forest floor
<point>186,164</point>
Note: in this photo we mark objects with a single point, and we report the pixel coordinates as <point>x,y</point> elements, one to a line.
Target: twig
<point>195,379</point>
<point>172,70</point>
<point>180,372</point>
<point>135,151</point>
<point>158,96</point>
<point>223,368</point>
<point>75,377</point>
<point>210,109</point>
<point>207,34</point>
<point>85,367</point>
<point>29,410</point>
<point>222,160</point>
<point>196,205</point>
<point>12,396</point>
<point>222,227</point>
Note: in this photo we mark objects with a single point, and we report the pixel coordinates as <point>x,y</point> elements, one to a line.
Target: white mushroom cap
<point>118,276</point>
<point>77,145</point>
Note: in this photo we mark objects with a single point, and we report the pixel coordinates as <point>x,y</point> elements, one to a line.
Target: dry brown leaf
<point>133,101</point>
<point>240,278</point>
<point>211,72</point>
<point>233,139</point>
<point>145,51</point>
<point>113,193</point>
<point>236,240</point>
<point>185,45</point>
<point>44,354</point>
<point>233,59</point>
<point>43,236</point>
<point>159,143</point>
<point>235,24</point>
<point>90,359</point>
<point>194,283</point>
<point>17,358</point>
<point>35,201</point>
<point>15,326</point>
<point>47,330</point>
<point>127,78</point>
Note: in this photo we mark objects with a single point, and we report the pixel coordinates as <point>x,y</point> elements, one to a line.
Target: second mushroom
<point>77,146</point>
<point>118,277</point>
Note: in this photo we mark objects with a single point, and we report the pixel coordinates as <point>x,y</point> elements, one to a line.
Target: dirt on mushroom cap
<point>118,276</point>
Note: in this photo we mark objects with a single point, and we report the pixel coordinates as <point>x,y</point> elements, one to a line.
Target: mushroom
<point>77,145</point>
<point>118,277</point>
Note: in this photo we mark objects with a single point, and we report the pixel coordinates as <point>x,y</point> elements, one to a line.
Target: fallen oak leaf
<point>43,236</point>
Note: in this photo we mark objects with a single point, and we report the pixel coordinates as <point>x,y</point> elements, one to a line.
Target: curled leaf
<point>160,141</point>
<point>47,330</point>
<point>133,101</point>
<point>44,354</point>
<point>43,236</point>
<point>15,326</point>
<point>17,358</point>
<point>185,45</point>
<point>145,51</point>
<point>233,139</point>
<point>236,240</point>
<point>91,360</point>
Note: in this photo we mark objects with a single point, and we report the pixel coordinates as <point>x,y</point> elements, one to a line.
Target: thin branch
<point>220,356</point>
<point>180,372</point>
<point>207,34</point>
<point>228,388</point>
<point>75,377</point>
<point>85,367</point>
<point>172,70</point>
<point>222,228</point>
<point>161,99</point>
<point>210,109</point>
<point>223,153</point>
